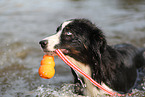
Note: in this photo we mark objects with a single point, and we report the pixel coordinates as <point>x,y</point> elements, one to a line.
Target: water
<point>23,23</point>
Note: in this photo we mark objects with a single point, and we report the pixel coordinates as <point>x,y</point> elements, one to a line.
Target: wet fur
<point>115,66</point>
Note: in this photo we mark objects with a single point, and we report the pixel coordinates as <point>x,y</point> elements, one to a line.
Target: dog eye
<point>68,33</point>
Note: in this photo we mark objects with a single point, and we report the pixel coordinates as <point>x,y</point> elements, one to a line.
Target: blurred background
<point>23,23</point>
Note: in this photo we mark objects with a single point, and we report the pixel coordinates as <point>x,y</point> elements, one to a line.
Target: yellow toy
<point>46,69</point>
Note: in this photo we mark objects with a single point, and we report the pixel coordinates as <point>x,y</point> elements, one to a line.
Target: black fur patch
<point>116,66</point>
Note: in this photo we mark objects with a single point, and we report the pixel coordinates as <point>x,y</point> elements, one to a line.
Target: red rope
<point>69,63</point>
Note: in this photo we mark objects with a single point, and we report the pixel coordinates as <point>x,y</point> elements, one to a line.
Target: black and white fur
<point>114,67</point>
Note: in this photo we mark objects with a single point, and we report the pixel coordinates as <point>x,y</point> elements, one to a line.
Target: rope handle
<point>72,65</point>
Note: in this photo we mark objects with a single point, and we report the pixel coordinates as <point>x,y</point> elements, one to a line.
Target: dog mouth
<point>50,53</point>
<point>53,53</point>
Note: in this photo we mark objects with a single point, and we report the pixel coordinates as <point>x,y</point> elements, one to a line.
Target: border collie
<point>114,67</point>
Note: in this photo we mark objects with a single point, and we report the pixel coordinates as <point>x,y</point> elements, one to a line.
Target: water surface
<point>23,23</point>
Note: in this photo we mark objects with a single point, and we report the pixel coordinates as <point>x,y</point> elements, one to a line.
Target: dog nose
<point>43,43</point>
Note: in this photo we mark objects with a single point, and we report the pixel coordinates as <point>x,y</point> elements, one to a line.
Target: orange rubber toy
<point>46,69</point>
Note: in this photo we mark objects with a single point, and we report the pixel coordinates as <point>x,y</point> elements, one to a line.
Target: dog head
<point>76,37</point>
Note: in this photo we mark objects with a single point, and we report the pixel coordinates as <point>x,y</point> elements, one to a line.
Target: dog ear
<point>98,41</point>
<point>97,48</point>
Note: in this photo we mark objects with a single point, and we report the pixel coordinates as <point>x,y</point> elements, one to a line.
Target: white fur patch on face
<point>55,39</point>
